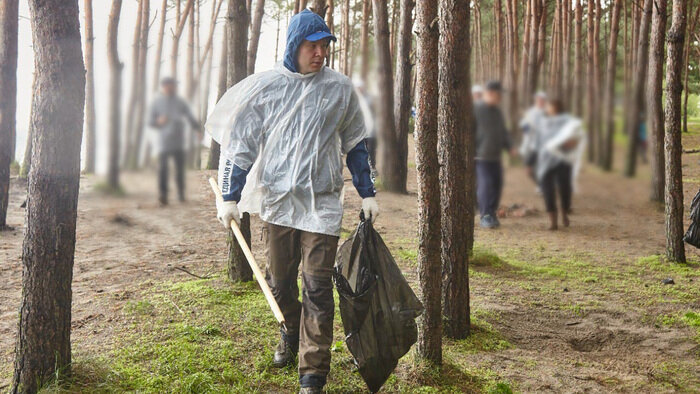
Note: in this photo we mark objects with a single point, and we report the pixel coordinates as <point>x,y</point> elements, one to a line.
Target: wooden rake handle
<point>259,277</point>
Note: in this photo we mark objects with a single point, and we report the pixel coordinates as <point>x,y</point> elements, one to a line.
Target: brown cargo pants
<point>311,320</point>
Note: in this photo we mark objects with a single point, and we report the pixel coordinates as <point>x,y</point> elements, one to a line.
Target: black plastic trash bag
<point>377,306</point>
<point>692,236</point>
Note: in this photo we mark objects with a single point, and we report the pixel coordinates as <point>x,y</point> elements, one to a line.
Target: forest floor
<point>582,309</point>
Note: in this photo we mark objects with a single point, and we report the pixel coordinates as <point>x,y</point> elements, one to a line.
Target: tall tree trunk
<point>402,92</point>
<point>319,7</point>
<point>390,167</point>
<point>364,39</point>
<point>139,123</point>
<point>134,90</point>
<point>429,344</point>
<point>90,122</point>
<point>609,94</point>
<point>237,41</point>
<point>159,46</point>
<point>590,78</point>
<point>511,65</point>
<point>215,148</point>
<point>597,85</point>
<point>533,64</point>
<point>8,105</point>
<point>500,50</point>
<point>347,38</point>
<point>578,60</point>
<point>115,94</point>
<point>636,108</point>
<point>189,57</point>
<point>675,250</point>
<point>654,107</point>
<point>27,158</point>
<point>522,77</point>
<point>179,28</point>
<point>480,73</point>
<point>255,35</point>
<point>43,341</point>
<point>329,21</point>
<point>691,29</point>
<point>456,155</point>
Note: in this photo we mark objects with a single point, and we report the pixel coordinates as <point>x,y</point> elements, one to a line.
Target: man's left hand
<point>370,208</point>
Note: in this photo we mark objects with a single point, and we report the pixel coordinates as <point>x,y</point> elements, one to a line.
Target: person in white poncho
<point>558,145</point>
<point>283,134</point>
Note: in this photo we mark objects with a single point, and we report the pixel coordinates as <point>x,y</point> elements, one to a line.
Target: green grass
<point>211,336</point>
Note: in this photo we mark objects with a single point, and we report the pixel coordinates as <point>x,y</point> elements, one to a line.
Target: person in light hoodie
<point>283,134</point>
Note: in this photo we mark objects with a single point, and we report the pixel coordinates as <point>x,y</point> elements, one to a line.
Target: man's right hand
<point>227,211</point>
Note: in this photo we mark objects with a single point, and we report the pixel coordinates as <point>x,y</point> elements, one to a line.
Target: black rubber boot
<point>286,351</point>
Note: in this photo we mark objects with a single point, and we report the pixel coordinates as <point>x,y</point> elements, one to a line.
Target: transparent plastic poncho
<point>291,131</point>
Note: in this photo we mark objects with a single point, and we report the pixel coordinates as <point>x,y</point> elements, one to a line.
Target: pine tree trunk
<point>402,93</point>
<point>43,346</point>
<point>654,107</point>
<point>329,21</point>
<point>255,35</point>
<point>237,41</point>
<point>522,74</point>
<point>609,94</point>
<point>455,150</point>
<point>429,344</point>
<point>347,42</point>
<point>179,28</point>
<point>90,122</point>
<point>215,148</point>
<point>319,7</point>
<point>389,163</point>
<point>189,57</point>
<point>237,36</point>
<point>134,90</point>
<point>691,24</point>
<point>159,46</point>
<point>27,158</point>
<point>139,123</point>
<point>533,65</point>
<point>511,65</point>
<point>590,85</point>
<point>578,60</point>
<point>115,93</point>
<point>597,85</point>
<point>636,108</point>
<point>8,105</point>
<point>364,39</point>
<point>675,250</point>
<point>500,50</point>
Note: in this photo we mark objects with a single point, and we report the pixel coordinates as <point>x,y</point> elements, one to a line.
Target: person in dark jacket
<point>168,115</point>
<point>492,138</point>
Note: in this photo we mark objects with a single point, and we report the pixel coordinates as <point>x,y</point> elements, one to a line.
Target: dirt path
<point>580,310</point>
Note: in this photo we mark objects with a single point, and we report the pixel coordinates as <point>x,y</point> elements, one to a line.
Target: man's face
<point>312,55</point>
<point>168,89</point>
<point>492,97</point>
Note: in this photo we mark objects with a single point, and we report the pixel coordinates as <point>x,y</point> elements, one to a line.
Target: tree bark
<point>590,84</point>
<point>429,345</point>
<point>402,93</point>
<point>134,90</point>
<point>691,24</point>
<point>43,341</point>
<point>675,250</point>
<point>329,21</point>
<point>319,7</point>
<point>533,64</point>
<point>115,93</point>
<point>8,105</point>
<point>634,112</point>
<point>511,65</point>
<point>456,155</point>
<point>179,28</point>
<point>255,35</point>
<point>237,41</point>
<point>237,265</point>
<point>346,38</point>
<point>578,60</point>
<point>215,148</point>
<point>389,163</point>
<point>159,46</point>
<point>654,107</point>
<point>90,122</point>
<point>609,94</point>
<point>364,39</point>
<point>139,123</point>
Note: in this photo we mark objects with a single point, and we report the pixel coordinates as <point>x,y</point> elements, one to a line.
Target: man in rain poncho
<point>283,133</point>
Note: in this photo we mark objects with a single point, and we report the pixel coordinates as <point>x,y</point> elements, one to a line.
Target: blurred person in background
<point>492,138</point>
<point>558,145</point>
<point>167,116</point>
<point>530,124</point>
<point>477,94</point>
